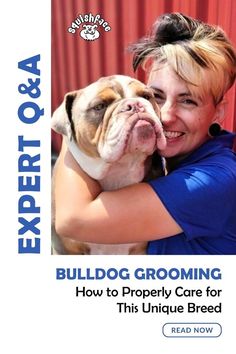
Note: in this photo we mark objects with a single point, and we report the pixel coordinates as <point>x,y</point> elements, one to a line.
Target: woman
<point>192,209</point>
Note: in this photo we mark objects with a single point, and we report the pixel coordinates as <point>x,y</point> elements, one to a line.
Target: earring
<point>214,129</point>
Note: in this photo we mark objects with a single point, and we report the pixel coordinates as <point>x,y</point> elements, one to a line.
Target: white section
<point>25,28</point>
<point>40,314</point>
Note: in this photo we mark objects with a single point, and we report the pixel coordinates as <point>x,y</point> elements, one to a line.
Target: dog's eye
<point>100,106</point>
<point>146,96</point>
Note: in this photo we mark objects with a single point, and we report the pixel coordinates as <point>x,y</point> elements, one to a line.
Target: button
<point>191,329</point>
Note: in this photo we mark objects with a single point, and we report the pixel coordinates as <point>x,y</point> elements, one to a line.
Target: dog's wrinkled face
<point>112,117</point>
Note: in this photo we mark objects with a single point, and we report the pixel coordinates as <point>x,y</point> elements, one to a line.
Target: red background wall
<point>76,62</point>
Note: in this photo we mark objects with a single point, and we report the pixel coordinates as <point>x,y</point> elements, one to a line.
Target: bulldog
<point>112,128</point>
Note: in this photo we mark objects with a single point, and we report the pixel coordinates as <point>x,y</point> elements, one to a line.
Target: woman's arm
<point>86,213</point>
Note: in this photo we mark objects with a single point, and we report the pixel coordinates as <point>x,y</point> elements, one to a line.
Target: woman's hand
<point>86,213</point>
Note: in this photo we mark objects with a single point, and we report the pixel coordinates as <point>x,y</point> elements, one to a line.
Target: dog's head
<point>112,117</point>
<point>90,29</point>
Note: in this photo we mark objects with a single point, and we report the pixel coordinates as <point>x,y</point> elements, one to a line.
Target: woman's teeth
<point>172,135</point>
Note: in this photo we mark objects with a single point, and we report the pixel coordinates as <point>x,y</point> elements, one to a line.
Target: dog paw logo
<point>90,33</point>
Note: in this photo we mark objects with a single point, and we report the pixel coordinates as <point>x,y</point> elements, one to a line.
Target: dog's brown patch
<point>84,136</point>
<point>91,128</point>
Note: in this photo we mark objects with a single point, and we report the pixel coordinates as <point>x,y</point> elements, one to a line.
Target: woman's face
<point>186,119</point>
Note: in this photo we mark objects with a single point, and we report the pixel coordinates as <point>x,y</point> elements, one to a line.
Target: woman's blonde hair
<point>199,53</point>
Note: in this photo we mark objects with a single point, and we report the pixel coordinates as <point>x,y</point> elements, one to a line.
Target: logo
<point>90,26</point>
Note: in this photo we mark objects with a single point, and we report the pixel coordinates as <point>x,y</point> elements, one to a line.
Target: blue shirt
<point>200,194</point>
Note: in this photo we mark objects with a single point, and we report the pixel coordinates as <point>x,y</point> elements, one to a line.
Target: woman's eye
<point>100,106</point>
<point>189,101</point>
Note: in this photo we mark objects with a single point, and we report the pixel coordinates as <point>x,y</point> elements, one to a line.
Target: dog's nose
<point>133,106</point>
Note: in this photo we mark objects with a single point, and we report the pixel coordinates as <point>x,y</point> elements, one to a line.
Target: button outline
<point>189,323</point>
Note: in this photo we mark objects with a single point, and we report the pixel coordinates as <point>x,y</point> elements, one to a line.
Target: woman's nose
<point>168,113</point>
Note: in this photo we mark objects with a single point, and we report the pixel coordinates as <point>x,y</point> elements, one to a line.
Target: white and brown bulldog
<point>111,128</point>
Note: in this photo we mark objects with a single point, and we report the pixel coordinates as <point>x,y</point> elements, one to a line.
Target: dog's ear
<point>62,121</point>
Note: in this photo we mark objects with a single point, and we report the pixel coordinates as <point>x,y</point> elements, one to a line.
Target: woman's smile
<point>172,135</point>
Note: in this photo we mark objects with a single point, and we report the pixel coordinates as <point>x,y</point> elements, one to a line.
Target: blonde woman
<point>191,66</point>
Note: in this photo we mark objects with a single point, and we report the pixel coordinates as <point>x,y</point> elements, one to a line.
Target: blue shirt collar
<point>224,140</point>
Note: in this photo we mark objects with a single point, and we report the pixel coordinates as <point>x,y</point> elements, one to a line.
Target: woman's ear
<point>220,112</point>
